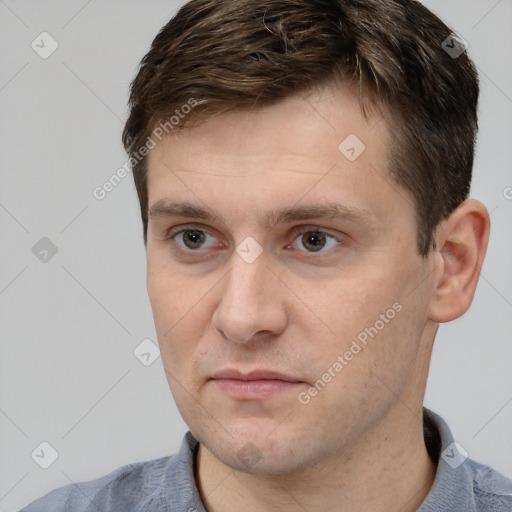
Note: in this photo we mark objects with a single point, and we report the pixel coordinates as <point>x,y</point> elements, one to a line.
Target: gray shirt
<point>168,484</point>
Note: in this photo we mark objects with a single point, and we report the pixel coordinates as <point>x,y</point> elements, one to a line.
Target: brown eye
<point>191,239</point>
<point>314,240</point>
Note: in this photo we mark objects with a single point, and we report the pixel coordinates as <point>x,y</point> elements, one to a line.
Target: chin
<point>265,456</point>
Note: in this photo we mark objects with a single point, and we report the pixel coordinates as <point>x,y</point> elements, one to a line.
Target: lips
<point>254,375</point>
<point>255,385</point>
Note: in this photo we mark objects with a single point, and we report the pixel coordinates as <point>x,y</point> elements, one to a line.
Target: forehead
<point>316,147</point>
<point>305,124</point>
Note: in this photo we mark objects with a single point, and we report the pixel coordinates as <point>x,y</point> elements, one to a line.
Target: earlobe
<point>461,242</point>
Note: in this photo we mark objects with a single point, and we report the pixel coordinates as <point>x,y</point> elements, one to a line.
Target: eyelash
<point>296,233</point>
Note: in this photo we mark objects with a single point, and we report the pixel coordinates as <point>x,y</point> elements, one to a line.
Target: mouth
<point>255,385</point>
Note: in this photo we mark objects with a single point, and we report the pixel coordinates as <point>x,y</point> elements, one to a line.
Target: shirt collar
<point>453,484</point>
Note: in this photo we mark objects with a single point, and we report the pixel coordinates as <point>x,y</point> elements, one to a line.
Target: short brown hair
<point>225,55</point>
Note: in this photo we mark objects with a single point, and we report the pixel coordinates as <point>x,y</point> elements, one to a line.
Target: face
<point>336,304</point>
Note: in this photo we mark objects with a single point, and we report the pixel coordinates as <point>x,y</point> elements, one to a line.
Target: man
<point>303,171</point>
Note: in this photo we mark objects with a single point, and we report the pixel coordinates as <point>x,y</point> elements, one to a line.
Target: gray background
<point>69,325</point>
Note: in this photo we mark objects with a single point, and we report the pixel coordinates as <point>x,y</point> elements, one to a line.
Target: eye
<point>192,238</point>
<point>315,240</point>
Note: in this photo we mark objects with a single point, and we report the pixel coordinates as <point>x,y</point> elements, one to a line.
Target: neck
<point>388,469</point>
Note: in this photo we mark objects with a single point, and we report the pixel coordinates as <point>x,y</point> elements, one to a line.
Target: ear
<point>461,243</point>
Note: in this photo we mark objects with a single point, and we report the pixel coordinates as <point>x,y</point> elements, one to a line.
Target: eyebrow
<point>165,208</point>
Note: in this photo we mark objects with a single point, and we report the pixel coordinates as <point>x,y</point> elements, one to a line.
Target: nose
<point>253,302</point>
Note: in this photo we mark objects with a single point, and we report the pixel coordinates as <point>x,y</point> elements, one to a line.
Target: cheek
<point>171,294</point>
<point>181,308</point>
<point>373,320</point>
<point>348,304</point>
<point>164,287</point>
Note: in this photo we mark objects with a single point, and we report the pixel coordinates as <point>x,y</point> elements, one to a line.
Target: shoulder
<point>122,490</point>
<point>461,483</point>
<point>492,490</point>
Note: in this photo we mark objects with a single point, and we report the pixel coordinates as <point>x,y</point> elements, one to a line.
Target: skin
<point>358,444</point>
